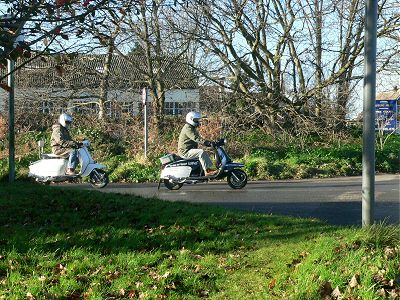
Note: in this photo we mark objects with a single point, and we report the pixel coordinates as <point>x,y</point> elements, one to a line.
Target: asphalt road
<point>335,200</point>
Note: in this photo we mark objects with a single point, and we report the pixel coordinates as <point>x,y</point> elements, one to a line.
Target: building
<point>56,83</point>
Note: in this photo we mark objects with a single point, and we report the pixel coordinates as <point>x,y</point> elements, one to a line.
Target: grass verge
<point>67,244</point>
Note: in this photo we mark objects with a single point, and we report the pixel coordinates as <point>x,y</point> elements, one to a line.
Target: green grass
<point>68,244</point>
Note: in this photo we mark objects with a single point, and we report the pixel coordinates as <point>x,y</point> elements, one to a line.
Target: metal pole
<point>11,132</point>
<point>146,131</point>
<point>368,158</point>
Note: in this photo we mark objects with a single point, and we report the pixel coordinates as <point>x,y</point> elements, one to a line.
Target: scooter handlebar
<point>220,142</point>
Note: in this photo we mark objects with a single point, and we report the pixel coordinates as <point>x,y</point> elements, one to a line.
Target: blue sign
<point>386,115</point>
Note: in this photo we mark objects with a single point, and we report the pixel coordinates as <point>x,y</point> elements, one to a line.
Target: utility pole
<point>369,95</point>
<point>146,130</point>
<point>11,118</point>
<point>14,27</point>
<point>9,24</point>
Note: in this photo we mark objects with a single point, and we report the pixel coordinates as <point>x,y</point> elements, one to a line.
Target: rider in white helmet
<point>189,140</point>
<point>62,144</point>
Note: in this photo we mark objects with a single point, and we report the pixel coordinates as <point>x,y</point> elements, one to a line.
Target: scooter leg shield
<point>177,172</point>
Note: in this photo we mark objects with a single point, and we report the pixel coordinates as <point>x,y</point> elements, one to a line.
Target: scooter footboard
<point>231,166</point>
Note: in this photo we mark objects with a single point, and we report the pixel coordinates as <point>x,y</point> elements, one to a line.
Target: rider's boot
<point>210,172</point>
<point>70,171</point>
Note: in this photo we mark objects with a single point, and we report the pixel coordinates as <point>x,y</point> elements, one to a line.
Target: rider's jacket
<point>61,141</point>
<point>189,138</point>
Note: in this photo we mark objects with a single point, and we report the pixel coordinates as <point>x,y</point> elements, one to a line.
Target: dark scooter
<point>176,171</point>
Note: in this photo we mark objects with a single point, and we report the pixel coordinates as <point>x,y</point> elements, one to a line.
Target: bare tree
<point>105,28</point>
<point>47,23</point>
<point>256,42</point>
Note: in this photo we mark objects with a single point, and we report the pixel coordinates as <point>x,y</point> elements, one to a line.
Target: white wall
<point>182,95</point>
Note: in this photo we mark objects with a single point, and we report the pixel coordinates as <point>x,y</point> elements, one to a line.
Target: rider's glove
<point>79,144</point>
<point>207,143</point>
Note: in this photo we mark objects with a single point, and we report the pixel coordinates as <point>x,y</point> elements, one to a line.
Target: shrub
<point>119,145</point>
<point>132,171</point>
<point>304,171</point>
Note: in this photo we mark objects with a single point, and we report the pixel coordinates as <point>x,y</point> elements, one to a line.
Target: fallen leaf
<point>82,279</point>
<point>272,284</point>
<point>394,293</point>
<point>381,292</point>
<point>170,286</point>
<point>197,269</point>
<point>338,249</point>
<point>390,252</point>
<point>203,293</point>
<point>60,269</point>
<point>354,282</point>
<point>110,276</point>
<point>132,295</point>
<point>88,293</point>
<point>336,294</point>
<point>29,296</point>
<point>356,245</point>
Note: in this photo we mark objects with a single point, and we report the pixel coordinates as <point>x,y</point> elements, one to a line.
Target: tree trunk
<point>104,83</point>
<point>318,56</point>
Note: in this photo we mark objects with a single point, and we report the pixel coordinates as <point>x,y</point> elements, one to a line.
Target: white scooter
<point>176,171</point>
<point>52,168</point>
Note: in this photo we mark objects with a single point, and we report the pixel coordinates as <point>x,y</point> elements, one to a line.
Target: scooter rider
<point>62,143</point>
<point>189,140</point>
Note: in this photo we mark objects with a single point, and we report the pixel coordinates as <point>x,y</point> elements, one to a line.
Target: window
<point>47,107</point>
<point>127,107</point>
<point>178,108</point>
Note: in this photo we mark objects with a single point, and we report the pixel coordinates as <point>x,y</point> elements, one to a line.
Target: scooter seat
<point>51,156</point>
<point>177,157</point>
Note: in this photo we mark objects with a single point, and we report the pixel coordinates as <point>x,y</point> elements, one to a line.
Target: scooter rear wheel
<point>172,185</point>
<point>98,178</point>
<point>237,179</point>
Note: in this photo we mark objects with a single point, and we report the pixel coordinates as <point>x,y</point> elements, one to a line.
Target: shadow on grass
<point>54,219</point>
<point>335,212</point>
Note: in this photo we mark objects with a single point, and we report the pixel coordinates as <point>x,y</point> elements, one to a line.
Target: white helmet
<point>65,120</point>
<point>193,118</point>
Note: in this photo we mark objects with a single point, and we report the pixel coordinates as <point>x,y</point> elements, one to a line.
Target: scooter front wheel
<point>98,178</point>
<point>172,185</point>
<point>237,179</point>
